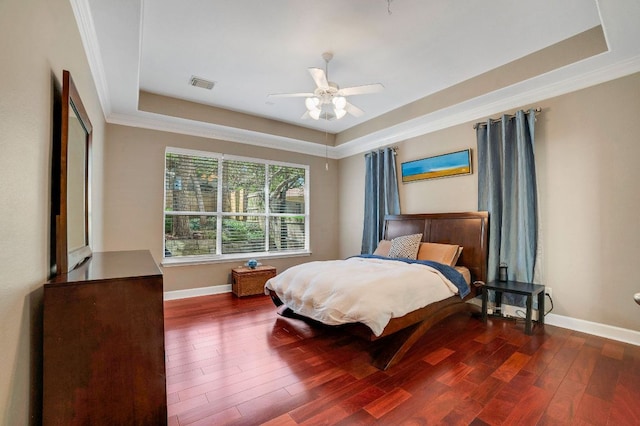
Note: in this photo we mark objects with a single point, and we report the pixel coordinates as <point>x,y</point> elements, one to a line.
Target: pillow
<point>442,253</point>
<point>383,248</point>
<point>466,273</point>
<point>454,262</point>
<point>406,246</point>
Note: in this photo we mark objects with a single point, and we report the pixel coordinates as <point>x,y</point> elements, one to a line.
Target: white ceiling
<point>253,48</point>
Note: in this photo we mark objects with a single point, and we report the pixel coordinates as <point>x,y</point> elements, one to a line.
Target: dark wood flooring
<point>234,361</point>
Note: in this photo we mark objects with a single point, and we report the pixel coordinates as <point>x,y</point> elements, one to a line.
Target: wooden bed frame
<point>468,230</point>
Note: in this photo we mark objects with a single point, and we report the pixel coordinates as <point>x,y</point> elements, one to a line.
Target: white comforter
<point>370,291</point>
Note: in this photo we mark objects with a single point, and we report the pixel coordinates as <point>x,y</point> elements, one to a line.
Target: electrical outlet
<point>549,291</point>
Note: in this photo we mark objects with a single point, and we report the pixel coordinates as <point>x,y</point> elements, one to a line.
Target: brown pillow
<point>383,248</point>
<point>406,246</point>
<point>454,262</point>
<point>442,253</point>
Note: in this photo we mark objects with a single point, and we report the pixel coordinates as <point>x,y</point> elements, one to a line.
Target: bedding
<point>368,289</point>
<point>383,248</point>
<point>405,246</point>
<point>442,253</point>
<point>454,262</point>
<point>465,272</point>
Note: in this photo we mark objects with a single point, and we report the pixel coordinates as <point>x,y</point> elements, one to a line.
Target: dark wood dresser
<point>104,343</point>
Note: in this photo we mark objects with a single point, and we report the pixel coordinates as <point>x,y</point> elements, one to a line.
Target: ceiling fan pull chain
<point>389,6</point>
<point>326,149</point>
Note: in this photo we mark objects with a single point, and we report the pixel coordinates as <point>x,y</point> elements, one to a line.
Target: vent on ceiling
<point>201,82</point>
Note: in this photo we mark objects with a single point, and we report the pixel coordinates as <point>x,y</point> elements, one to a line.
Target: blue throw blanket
<point>450,273</point>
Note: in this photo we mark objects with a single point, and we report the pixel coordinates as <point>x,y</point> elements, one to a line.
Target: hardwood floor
<point>234,361</point>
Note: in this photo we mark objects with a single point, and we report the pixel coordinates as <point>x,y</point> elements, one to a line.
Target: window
<point>225,207</point>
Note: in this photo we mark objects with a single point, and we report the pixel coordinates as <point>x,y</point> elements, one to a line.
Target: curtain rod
<point>484,123</point>
<point>394,148</point>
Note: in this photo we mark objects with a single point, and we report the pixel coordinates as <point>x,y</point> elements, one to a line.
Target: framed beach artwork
<point>452,164</point>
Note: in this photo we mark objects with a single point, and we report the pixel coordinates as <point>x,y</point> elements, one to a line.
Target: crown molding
<point>484,106</point>
<point>474,109</point>
<point>146,120</point>
<point>89,37</point>
<point>530,91</point>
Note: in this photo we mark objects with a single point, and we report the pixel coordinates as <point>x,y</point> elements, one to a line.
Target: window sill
<point>205,260</point>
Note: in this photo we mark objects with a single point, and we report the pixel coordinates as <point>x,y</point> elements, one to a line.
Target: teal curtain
<point>380,195</point>
<point>507,190</point>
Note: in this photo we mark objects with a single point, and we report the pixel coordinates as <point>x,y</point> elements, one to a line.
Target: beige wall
<point>586,153</point>
<point>569,51</point>
<point>39,39</point>
<point>172,107</point>
<point>133,198</point>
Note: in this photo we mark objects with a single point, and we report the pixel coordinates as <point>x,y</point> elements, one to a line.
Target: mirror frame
<point>71,103</point>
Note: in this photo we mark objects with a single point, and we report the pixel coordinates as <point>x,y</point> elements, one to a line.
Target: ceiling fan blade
<point>290,95</point>
<point>319,77</point>
<point>361,90</point>
<point>353,110</point>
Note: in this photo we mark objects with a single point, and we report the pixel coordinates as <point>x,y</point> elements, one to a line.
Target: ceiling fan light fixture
<point>315,114</point>
<point>339,102</point>
<point>312,103</point>
<point>340,113</point>
<point>328,101</point>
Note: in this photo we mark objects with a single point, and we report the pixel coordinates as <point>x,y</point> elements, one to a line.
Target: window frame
<point>219,214</point>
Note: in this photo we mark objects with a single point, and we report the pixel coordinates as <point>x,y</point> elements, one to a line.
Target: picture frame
<point>446,165</point>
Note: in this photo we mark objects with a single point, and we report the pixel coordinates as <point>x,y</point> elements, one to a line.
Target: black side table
<point>516,287</point>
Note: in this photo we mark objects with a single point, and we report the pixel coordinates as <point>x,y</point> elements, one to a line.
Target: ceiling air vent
<point>201,82</point>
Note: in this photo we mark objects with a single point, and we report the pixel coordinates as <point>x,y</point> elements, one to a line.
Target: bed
<point>469,231</point>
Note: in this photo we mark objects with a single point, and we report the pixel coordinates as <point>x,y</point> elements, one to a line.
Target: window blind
<point>230,207</point>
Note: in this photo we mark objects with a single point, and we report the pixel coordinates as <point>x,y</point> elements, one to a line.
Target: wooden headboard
<point>468,230</point>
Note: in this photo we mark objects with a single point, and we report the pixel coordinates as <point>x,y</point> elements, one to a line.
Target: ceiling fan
<point>328,100</point>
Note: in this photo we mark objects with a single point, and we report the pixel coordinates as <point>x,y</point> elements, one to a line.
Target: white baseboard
<point>583,326</point>
<point>597,329</point>
<point>195,292</point>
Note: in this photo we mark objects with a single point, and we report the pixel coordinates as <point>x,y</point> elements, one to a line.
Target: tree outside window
<point>218,207</point>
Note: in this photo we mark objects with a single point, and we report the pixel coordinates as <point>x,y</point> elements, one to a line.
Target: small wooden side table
<point>527,289</point>
<point>247,281</point>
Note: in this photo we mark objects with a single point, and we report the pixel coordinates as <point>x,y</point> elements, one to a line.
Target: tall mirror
<point>72,222</point>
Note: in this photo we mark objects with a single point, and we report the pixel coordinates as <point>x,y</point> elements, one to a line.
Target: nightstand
<point>247,281</point>
<point>526,289</point>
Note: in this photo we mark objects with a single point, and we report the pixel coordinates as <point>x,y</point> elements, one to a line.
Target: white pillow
<point>406,246</point>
